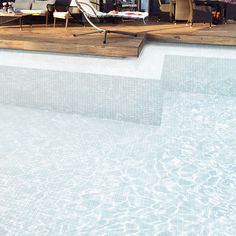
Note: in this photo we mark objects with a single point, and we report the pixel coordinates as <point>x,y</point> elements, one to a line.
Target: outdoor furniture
<point>61,11</point>
<point>166,7</point>
<point>66,10</point>
<point>219,5</point>
<point>34,7</point>
<point>89,11</point>
<point>9,17</point>
<point>230,10</point>
<point>20,5</point>
<point>182,10</point>
<point>188,10</point>
<point>6,7</point>
<point>200,13</point>
<point>125,5</point>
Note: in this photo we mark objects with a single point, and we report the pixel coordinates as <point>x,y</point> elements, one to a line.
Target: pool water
<point>67,174</point>
<point>70,175</point>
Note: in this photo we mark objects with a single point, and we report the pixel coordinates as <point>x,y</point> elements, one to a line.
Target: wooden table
<point>9,17</point>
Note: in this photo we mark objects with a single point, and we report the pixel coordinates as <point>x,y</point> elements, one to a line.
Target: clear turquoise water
<point>63,174</point>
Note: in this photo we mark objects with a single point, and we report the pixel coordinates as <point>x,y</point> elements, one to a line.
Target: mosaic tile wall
<point>112,97</point>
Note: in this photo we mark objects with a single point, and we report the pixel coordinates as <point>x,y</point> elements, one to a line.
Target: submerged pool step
<point>199,75</point>
<point>112,97</point>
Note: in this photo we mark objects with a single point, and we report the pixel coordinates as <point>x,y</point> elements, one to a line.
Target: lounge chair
<point>89,11</point>
<point>34,7</point>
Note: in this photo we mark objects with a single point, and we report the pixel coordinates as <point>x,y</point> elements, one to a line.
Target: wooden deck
<point>40,38</point>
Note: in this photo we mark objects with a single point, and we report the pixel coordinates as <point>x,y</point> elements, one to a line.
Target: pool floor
<point>65,174</point>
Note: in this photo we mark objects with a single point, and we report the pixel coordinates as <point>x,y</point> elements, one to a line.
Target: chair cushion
<point>73,3</point>
<point>51,1</point>
<point>34,12</point>
<point>39,5</point>
<point>22,4</point>
<point>129,14</point>
<point>61,15</point>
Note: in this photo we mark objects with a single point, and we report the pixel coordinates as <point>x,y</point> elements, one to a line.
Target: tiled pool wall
<point>112,97</point>
<point>120,89</point>
<point>215,76</point>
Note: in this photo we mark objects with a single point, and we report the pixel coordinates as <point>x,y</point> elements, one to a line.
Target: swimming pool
<point>62,173</point>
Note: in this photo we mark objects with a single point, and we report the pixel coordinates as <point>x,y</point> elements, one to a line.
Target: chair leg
<point>99,30</point>
<point>189,21</point>
<point>67,19</point>
<point>46,19</point>
<point>105,37</point>
<point>54,23</point>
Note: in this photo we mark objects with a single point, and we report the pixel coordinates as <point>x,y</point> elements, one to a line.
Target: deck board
<point>40,38</point>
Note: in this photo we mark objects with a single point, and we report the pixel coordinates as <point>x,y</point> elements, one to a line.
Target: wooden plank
<point>62,41</point>
<point>40,38</point>
<point>218,35</point>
